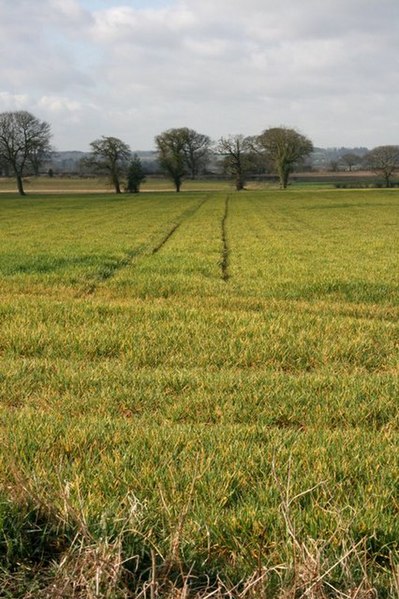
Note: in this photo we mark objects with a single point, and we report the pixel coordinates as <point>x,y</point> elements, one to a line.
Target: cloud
<point>327,67</point>
<point>11,102</point>
<point>64,106</point>
<point>38,42</point>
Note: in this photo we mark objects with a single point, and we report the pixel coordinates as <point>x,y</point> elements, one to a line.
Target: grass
<point>178,372</point>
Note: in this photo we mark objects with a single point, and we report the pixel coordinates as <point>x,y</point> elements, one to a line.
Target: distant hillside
<point>324,158</point>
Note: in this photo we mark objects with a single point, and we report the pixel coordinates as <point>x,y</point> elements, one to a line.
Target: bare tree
<point>171,146</point>
<point>196,150</point>
<point>110,155</point>
<point>286,148</point>
<point>236,150</point>
<point>350,160</point>
<point>4,167</point>
<point>23,140</point>
<point>384,160</point>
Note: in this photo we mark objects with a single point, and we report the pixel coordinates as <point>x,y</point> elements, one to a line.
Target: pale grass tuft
<point>96,568</point>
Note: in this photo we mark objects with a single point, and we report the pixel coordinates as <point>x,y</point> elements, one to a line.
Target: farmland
<point>206,378</point>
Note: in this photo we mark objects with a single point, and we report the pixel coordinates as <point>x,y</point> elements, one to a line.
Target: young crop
<point>199,395</point>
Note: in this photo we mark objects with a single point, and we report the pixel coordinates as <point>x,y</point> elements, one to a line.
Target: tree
<point>350,160</point>
<point>182,151</point>
<point>286,148</point>
<point>135,175</point>
<point>24,139</point>
<point>384,160</point>
<point>171,146</point>
<point>4,167</point>
<point>196,151</point>
<point>110,155</point>
<point>236,150</point>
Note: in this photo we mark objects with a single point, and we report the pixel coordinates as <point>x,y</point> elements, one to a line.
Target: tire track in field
<point>186,215</point>
<point>108,271</point>
<point>224,263</point>
<point>160,245</point>
<point>142,251</point>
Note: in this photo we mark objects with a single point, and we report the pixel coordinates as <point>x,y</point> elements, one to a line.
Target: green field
<point>202,383</point>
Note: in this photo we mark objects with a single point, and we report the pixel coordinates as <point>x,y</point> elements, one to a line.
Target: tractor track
<point>141,252</point>
<point>186,215</point>
<point>224,263</point>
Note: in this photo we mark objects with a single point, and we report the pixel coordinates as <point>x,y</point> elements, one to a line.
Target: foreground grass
<point>179,371</point>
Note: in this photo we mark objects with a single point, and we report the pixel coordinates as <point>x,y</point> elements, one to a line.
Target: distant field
<point>312,180</point>
<point>101,185</point>
<point>176,368</point>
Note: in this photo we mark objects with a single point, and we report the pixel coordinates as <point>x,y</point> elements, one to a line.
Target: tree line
<point>182,152</point>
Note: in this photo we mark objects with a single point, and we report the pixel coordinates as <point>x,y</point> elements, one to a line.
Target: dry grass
<point>98,568</point>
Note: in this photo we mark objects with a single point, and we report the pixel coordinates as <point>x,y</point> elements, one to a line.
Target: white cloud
<point>70,10</point>
<point>59,104</point>
<point>327,67</point>
<point>12,102</point>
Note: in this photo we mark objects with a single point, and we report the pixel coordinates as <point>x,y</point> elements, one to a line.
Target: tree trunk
<point>285,180</point>
<point>177,182</point>
<point>283,173</point>
<point>20,186</point>
<point>239,184</point>
<point>239,180</point>
<point>117,184</point>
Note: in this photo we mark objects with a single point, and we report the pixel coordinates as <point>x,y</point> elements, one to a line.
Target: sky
<point>134,68</point>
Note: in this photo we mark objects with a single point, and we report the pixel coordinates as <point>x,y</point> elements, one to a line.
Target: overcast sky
<point>134,68</point>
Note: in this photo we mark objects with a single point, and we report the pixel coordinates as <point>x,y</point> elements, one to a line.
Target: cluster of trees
<point>383,160</point>
<point>281,148</point>
<point>113,157</point>
<point>347,161</point>
<point>25,144</point>
<point>182,152</point>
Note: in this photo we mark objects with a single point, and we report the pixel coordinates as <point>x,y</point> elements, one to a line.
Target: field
<point>75,184</point>
<point>200,386</point>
